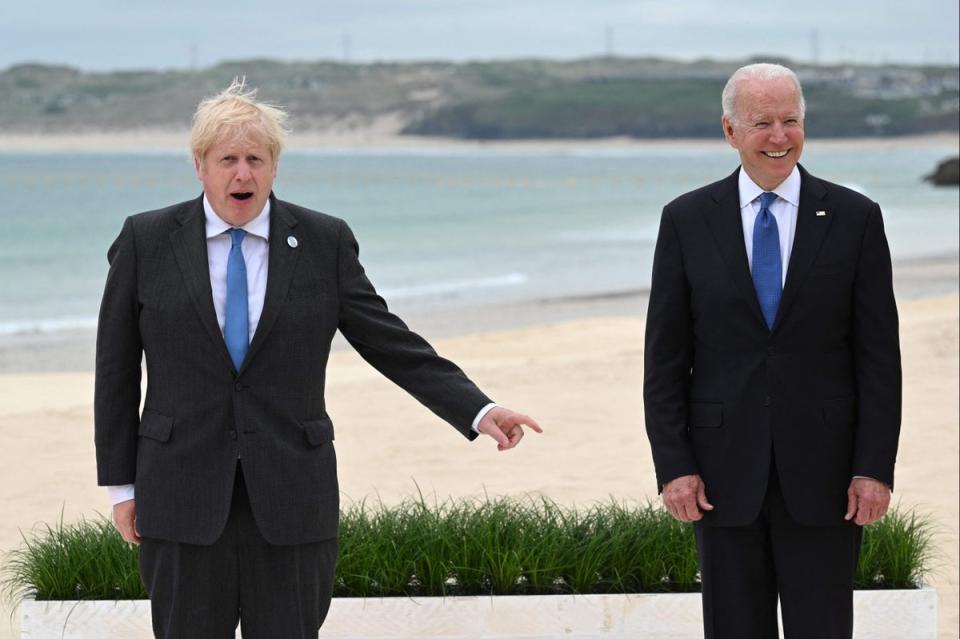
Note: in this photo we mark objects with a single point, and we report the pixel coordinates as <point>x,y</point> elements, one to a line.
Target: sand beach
<point>575,364</point>
<point>384,134</point>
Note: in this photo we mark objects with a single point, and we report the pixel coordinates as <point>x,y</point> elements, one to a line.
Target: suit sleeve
<point>119,351</point>
<point>401,355</point>
<point>876,357</point>
<point>668,357</point>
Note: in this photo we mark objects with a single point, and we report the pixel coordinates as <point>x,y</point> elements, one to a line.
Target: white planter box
<point>880,614</point>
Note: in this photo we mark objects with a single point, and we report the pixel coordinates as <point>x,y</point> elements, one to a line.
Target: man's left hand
<point>506,426</point>
<point>867,500</point>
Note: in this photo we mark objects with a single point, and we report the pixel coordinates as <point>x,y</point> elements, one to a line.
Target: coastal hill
<point>516,99</point>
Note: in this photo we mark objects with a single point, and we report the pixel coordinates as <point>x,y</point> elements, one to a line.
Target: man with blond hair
<point>227,479</point>
<point>772,374</point>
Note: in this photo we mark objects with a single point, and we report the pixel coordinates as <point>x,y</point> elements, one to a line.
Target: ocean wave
<point>856,187</point>
<point>454,287</point>
<point>646,234</point>
<point>439,289</point>
<point>47,325</point>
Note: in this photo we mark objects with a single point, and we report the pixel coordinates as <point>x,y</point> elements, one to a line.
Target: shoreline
<point>73,350</point>
<point>376,139</point>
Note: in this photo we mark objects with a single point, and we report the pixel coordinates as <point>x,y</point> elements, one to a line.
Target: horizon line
<point>485,60</point>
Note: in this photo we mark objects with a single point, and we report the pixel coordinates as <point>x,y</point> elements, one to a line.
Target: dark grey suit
<point>200,414</point>
<point>776,421</point>
<point>821,390</point>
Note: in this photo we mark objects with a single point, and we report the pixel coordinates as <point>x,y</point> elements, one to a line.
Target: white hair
<point>758,71</point>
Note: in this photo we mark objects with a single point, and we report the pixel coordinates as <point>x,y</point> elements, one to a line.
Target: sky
<point>100,35</point>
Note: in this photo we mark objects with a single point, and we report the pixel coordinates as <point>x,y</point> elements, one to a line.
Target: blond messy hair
<point>235,113</point>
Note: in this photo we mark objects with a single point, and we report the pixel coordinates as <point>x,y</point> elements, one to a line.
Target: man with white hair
<point>228,478</point>
<point>772,384</point>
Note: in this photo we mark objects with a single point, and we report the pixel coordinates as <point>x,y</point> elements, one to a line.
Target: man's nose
<point>243,172</point>
<point>778,134</point>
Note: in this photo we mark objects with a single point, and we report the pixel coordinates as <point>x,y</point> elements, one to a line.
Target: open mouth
<point>775,154</point>
<point>245,195</point>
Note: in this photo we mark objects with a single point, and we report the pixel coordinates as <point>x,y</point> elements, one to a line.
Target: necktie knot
<point>236,237</point>
<point>766,199</point>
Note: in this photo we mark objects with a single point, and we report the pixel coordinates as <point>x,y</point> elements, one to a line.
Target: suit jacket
<point>199,413</point>
<point>821,391</point>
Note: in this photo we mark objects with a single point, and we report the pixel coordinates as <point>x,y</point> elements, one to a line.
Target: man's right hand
<point>685,496</point>
<point>125,520</point>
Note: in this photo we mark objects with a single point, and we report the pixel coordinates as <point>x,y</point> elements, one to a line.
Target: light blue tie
<point>236,327</point>
<point>767,267</point>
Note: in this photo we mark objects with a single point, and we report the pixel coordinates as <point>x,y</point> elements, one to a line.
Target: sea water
<point>435,226</point>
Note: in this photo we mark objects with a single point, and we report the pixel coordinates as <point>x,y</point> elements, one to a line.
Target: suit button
<point>238,387</point>
<point>767,401</point>
<point>233,434</point>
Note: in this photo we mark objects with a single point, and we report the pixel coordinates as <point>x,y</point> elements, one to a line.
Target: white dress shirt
<point>255,250</point>
<point>783,209</point>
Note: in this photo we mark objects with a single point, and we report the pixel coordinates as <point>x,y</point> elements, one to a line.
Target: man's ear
<point>728,132</point>
<point>196,165</point>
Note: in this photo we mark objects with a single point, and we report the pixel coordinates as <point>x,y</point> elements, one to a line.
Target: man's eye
<point>760,125</point>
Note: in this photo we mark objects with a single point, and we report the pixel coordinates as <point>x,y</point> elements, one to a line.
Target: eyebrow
<point>766,118</point>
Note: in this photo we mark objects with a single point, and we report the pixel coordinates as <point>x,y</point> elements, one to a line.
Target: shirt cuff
<point>120,493</point>
<point>480,415</point>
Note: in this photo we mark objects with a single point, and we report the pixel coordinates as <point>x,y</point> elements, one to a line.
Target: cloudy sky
<point>122,34</point>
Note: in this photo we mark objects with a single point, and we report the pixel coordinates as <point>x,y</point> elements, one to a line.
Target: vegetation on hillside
<point>588,98</point>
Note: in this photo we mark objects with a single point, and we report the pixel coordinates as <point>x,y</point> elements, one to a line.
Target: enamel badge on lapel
<point>292,241</point>
<point>821,213</point>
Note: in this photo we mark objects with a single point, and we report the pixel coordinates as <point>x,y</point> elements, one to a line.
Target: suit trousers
<point>202,592</point>
<point>744,569</point>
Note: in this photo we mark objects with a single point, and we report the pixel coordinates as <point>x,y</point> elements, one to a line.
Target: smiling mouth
<point>775,154</point>
<point>246,195</point>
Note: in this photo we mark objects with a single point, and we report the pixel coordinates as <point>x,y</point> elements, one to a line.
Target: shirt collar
<point>788,190</point>
<point>259,226</point>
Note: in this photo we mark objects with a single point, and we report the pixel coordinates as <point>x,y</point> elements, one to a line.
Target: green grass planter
<point>498,546</point>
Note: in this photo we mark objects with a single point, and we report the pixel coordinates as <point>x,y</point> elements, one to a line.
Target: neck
<point>765,187</point>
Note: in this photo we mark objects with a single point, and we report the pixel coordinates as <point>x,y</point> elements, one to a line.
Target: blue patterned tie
<point>767,267</point>
<point>236,331</point>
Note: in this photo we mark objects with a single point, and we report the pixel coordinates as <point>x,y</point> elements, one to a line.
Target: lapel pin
<point>292,241</point>
<point>821,213</point>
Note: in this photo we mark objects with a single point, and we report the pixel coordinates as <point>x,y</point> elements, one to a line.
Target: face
<point>237,176</point>
<point>767,130</point>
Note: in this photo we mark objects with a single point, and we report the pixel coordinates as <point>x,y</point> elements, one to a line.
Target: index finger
<point>517,418</point>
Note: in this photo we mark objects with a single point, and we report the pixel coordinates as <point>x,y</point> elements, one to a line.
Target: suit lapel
<point>281,263</point>
<point>727,227</point>
<point>189,243</point>
<point>809,235</point>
